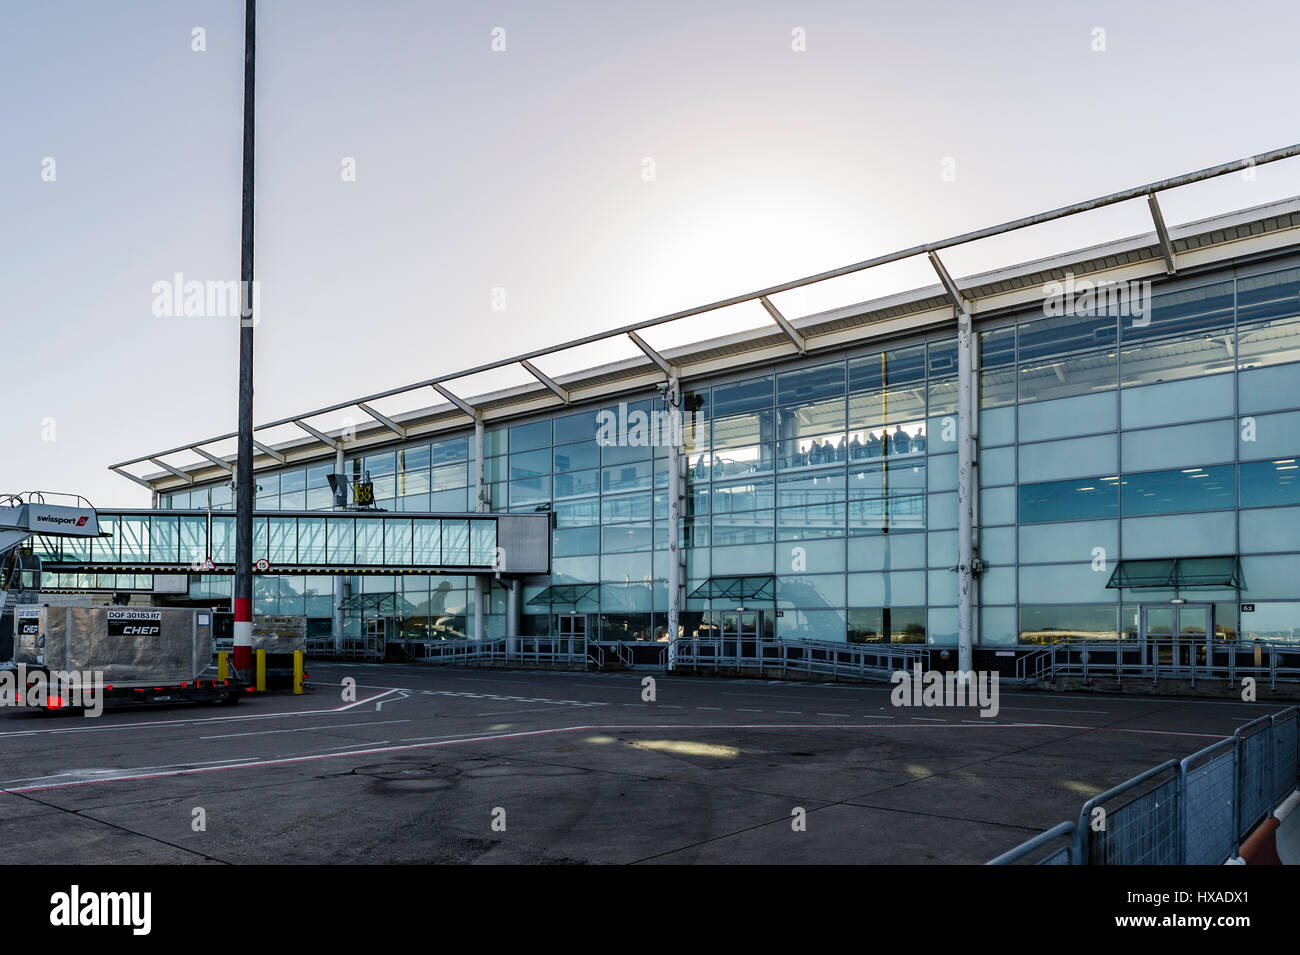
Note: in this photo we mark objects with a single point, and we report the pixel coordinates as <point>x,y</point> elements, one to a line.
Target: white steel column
<point>340,581</point>
<point>482,503</point>
<point>967,488</point>
<point>676,492</point>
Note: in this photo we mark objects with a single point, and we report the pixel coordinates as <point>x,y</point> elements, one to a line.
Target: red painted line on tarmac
<point>585,729</point>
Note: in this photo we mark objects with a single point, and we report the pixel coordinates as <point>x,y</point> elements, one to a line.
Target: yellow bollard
<point>297,672</point>
<point>261,671</point>
<point>223,666</point>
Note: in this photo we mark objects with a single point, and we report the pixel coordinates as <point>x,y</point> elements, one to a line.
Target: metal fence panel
<point>1062,855</point>
<point>1209,790</point>
<point>1284,755</point>
<point>1141,832</point>
<point>1254,774</point>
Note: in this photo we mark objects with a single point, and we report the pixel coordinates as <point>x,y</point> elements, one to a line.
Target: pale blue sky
<point>523,170</point>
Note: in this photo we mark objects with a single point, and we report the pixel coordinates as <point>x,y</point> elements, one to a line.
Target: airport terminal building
<point>1131,432</point>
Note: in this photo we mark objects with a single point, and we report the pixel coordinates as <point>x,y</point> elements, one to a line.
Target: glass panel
<point>164,540</point>
<point>311,540</point>
<point>809,385</point>
<point>754,394</point>
<point>744,496</point>
<point>1185,489</point>
<point>1160,621</point>
<point>341,540</point>
<point>530,464</point>
<point>1193,621</point>
<point>223,540</point>
<point>574,457</point>
<point>742,445</point>
<point>575,427</point>
<point>1048,624</point>
<point>812,435</point>
<point>1273,342</point>
<point>449,476</point>
<point>1270,482</point>
<point>293,490</point>
<point>455,542</point>
<point>1079,499</point>
<point>575,541</point>
<point>133,534</point>
<point>194,539</point>
<point>1064,377</point>
<point>576,483</point>
<point>578,513</point>
<point>283,545</point>
<point>887,625</point>
<point>823,488</point>
<point>1184,356</point>
<point>1065,334</point>
<point>625,537</point>
<point>449,450</point>
<point>530,491</point>
<point>627,477</point>
<point>397,541</point>
<point>104,548</point>
<point>426,542</point>
<point>370,541</point>
<point>813,521</point>
<point>1184,310</point>
<point>625,507</point>
<point>524,437</point>
<point>483,542</point>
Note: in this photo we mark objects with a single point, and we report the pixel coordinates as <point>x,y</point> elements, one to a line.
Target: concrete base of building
<point>1136,686</point>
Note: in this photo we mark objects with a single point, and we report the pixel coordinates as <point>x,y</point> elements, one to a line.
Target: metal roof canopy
<point>758,586</point>
<point>1177,573</point>
<point>359,603</point>
<point>785,330</point>
<point>562,594</point>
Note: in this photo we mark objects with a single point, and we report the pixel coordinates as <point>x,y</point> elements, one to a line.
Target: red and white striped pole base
<point>243,634</point>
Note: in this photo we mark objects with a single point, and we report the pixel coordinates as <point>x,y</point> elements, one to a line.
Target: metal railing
<point>853,660</point>
<point>1194,811</point>
<point>567,651</point>
<point>1155,659</point>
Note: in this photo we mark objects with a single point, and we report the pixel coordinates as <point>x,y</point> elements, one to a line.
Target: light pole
<point>243,644</point>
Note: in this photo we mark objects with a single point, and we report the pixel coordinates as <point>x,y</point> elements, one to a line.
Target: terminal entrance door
<point>740,632</point>
<point>1176,636</point>
<point>376,634</point>
<point>571,625</point>
<point>571,629</point>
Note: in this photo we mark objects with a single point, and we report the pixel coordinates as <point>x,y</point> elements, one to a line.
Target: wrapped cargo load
<point>279,632</point>
<point>129,645</point>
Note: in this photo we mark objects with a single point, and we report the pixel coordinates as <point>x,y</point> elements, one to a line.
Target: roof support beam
<point>387,422</point>
<point>786,327</point>
<point>456,400</point>
<point>184,475</point>
<point>280,458</point>
<point>1162,233</point>
<point>544,379</point>
<point>653,355</point>
<point>320,436</point>
<point>131,477</point>
<point>226,465</point>
<point>959,301</point>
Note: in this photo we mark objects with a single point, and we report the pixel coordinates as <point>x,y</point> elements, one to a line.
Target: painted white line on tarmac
<point>183,722</point>
<point>303,729</point>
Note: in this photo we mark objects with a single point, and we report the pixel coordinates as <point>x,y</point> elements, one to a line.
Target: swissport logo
<point>51,519</point>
